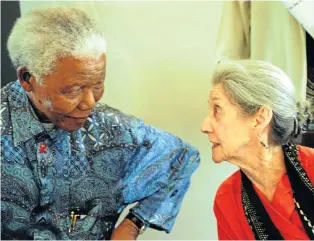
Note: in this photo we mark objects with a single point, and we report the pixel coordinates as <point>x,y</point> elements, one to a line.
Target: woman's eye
<point>216,109</point>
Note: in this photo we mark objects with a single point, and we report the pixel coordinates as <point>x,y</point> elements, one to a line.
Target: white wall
<point>160,59</point>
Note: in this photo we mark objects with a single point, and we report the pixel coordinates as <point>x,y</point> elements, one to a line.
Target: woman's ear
<point>263,118</point>
<point>25,78</point>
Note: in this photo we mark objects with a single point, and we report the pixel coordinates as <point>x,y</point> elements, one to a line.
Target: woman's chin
<point>217,159</point>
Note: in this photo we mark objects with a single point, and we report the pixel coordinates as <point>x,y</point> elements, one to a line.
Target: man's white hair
<point>42,36</point>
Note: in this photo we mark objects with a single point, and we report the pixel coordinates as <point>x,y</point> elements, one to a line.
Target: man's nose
<point>88,101</point>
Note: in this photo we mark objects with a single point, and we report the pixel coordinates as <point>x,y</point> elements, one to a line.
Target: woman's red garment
<point>231,220</point>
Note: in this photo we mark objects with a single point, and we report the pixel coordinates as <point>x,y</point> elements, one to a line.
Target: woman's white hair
<point>42,36</point>
<point>253,84</point>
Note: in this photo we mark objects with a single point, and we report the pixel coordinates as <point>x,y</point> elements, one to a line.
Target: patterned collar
<point>25,124</point>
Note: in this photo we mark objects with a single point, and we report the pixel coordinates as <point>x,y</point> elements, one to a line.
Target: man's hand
<point>127,230</point>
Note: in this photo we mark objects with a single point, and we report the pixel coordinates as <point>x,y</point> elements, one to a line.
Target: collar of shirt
<point>25,123</point>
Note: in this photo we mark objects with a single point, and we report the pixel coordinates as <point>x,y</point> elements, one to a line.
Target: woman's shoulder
<point>307,151</point>
<point>228,196</point>
<point>306,155</point>
<point>229,187</point>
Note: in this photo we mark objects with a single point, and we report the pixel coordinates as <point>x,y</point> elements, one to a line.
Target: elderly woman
<point>252,123</point>
<point>70,166</point>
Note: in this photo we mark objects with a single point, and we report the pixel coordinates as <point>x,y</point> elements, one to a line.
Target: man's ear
<point>25,78</point>
<point>263,118</point>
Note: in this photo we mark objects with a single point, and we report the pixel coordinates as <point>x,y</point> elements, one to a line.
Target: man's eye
<point>71,92</point>
<point>98,85</point>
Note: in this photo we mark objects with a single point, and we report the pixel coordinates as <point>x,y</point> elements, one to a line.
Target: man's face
<point>67,96</point>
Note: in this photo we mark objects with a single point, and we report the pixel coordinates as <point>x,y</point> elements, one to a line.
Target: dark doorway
<point>10,11</point>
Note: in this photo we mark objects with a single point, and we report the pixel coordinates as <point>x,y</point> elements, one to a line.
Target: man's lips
<point>76,117</point>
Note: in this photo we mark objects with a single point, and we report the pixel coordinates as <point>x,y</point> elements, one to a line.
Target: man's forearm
<point>126,230</point>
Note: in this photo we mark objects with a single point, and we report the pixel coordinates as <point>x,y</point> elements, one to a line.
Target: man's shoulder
<point>5,90</point>
<point>5,123</point>
<point>112,116</point>
<point>14,94</point>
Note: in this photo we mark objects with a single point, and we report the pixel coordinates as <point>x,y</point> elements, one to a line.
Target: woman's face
<point>228,129</point>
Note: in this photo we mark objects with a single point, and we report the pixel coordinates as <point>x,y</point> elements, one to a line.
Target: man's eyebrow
<point>70,86</point>
<point>95,71</point>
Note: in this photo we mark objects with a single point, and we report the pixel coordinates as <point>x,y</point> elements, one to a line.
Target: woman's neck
<point>265,169</point>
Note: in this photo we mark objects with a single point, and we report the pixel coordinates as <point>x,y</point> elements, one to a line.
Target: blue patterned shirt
<point>112,161</point>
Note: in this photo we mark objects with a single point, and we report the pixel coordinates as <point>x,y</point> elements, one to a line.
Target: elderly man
<point>70,166</point>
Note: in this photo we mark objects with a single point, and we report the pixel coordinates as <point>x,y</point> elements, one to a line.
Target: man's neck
<point>41,116</point>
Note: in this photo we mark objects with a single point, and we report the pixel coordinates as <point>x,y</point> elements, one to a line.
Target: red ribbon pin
<point>42,148</point>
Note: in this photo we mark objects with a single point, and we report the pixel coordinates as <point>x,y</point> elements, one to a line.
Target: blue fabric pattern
<point>112,161</point>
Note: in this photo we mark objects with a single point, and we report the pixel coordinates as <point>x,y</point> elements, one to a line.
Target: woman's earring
<point>263,144</point>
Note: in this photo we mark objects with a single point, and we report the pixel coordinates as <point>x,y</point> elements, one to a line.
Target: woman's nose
<point>206,126</point>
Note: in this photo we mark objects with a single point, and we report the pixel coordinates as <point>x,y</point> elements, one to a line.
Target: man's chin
<point>69,126</point>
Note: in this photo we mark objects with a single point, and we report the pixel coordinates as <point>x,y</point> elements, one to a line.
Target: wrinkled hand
<point>127,230</point>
